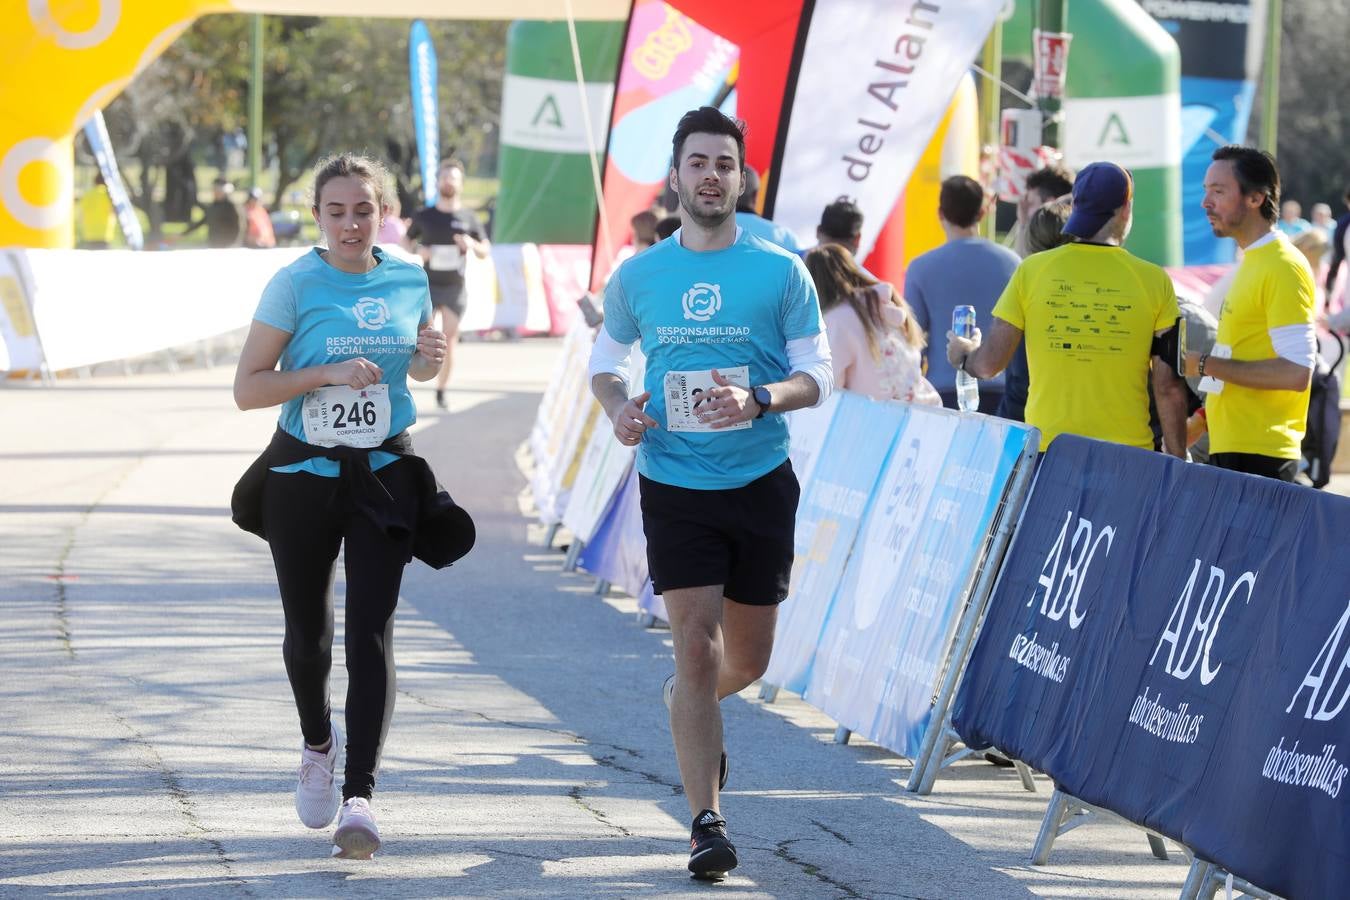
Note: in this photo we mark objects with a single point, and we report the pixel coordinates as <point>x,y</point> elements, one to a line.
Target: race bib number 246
<point>340,416</point>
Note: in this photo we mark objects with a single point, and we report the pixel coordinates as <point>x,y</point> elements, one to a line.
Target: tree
<point>1314,135</point>
<point>330,84</point>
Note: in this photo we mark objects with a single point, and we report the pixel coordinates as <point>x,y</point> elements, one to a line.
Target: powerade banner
<point>670,65</point>
<point>422,73</point>
<point>96,133</point>
<point>889,630</point>
<point>873,84</point>
<point>829,512</point>
<point>1172,642</point>
<point>1220,58</point>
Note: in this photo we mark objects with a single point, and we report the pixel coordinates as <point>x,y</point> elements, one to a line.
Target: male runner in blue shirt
<point>731,329</point>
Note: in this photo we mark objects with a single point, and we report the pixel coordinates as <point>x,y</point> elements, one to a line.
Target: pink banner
<point>671,64</point>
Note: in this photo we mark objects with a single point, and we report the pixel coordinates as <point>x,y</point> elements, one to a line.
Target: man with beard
<point>730,325</point>
<point>443,235</point>
<point>1258,373</point>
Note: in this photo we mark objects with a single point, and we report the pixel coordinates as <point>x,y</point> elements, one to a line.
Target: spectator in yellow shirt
<point>1094,318</point>
<point>97,220</point>
<point>1258,373</point>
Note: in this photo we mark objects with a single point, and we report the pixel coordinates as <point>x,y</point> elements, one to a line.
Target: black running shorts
<point>451,296</point>
<point>740,538</point>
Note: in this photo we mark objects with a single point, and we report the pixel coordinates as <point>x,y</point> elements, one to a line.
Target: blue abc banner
<point>832,504</point>
<point>891,624</point>
<point>1172,642</point>
<point>422,72</point>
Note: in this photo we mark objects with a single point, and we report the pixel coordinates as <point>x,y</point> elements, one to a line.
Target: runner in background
<point>743,344</point>
<point>443,235</point>
<point>349,326</point>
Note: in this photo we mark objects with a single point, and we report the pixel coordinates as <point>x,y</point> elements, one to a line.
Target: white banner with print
<point>92,306</point>
<point>874,83</point>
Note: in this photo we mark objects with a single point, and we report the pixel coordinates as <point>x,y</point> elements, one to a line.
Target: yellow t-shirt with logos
<point>1272,288</point>
<point>1088,313</point>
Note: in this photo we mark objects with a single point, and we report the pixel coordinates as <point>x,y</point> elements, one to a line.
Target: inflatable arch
<point>70,58</point>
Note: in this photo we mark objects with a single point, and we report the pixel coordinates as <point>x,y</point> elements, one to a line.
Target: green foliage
<point>329,84</point>
<point>1314,135</point>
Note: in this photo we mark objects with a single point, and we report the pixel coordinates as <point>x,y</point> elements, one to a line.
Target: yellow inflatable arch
<point>66,59</point>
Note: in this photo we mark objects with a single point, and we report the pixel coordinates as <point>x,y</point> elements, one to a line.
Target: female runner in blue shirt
<point>348,325</point>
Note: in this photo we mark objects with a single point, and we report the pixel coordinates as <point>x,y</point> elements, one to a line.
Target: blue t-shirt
<point>695,311</point>
<point>963,272</point>
<point>763,228</point>
<point>333,316</point>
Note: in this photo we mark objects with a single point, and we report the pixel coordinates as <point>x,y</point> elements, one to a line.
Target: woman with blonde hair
<point>875,342</point>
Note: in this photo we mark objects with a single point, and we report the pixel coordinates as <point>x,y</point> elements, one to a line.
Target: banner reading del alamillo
<point>874,82</point>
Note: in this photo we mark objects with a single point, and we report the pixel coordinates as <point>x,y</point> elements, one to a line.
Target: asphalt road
<point>148,742</point>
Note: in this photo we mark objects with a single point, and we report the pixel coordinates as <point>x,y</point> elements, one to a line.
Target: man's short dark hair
<point>841,220</point>
<point>1052,182</point>
<point>960,200</point>
<point>709,120</point>
<point>1255,172</point>
<point>450,162</point>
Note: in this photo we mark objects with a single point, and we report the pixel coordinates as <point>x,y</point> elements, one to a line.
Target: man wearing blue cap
<point>1094,317</point>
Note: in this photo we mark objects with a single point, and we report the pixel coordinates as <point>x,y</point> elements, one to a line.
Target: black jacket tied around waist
<point>441,530</point>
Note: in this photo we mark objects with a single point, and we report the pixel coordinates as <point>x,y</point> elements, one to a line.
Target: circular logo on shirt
<point>702,301</point>
<point>372,313</point>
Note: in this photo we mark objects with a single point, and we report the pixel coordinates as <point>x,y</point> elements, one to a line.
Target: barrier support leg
<point>573,554</point>
<point>601,587</point>
<point>645,619</point>
<point>1055,814</point>
<point>1205,880</point>
<point>1066,812</point>
<point>1024,773</point>
<point>552,533</point>
<point>768,692</point>
<point>1197,880</point>
<point>842,734</point>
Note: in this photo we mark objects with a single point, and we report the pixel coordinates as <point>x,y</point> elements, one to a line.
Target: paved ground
<point>148,742</point>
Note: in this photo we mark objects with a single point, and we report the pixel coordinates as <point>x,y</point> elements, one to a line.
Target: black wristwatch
<point>762,398</point>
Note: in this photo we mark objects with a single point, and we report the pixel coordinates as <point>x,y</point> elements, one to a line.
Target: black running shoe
<point>711,855</point>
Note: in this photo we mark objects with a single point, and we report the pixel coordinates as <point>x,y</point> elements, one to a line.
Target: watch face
<point>763,398</point>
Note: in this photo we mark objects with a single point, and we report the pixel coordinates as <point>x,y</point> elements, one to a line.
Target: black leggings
<point>305,532</point>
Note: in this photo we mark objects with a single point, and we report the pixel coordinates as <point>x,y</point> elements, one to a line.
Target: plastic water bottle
<point>967,386</point>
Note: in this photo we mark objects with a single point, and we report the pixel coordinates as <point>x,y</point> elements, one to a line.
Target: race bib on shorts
<point>686,392</point>
<point>446,258</point>
<point>339,416</point>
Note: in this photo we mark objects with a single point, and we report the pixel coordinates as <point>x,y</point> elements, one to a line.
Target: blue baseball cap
<point>1100,189</point>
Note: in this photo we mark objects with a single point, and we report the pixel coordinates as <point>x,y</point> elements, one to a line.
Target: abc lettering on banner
<point>1180,663</point>
<point>1063,574</point>
<point>1330,662</point>
<point>1210,683</point>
